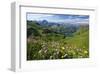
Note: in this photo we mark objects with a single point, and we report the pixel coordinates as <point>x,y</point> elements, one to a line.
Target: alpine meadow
<point>57,36</point>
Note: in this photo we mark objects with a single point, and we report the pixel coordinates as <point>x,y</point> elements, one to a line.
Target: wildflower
<point>74,53</point>
<point>66,46</point>
<point>34,55</point>
<point>54,54</point>
<point>57,52</point>
<point>80,56</point>
<point>40,51</point>
<point>85,52</point>
<point>51,57</point>
<point>62,56</point>
<point>62,48</point>
<point>78,49</point>
<point>45,51</point>
<point>65,55</point>
<point>70,47</point>
<point>56,49</point>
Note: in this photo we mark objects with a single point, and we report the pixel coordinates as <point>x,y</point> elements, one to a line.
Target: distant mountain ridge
<point>45,22</point>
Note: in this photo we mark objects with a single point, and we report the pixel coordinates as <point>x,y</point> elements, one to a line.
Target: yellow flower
<point>62,48</point>
<point>85,52</point>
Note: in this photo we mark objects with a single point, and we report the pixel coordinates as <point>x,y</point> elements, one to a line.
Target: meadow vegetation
<point>60,41</point>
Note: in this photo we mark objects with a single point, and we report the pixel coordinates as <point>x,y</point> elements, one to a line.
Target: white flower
<point>57,52</point>
<point>79,49</point>
<point>54,54</point>
<point>65,55</point>
<point>80,56</point>
<point>56,49</point>
<point>51,57</point>
<point>45,51</point>
<point>40,51</point>
<point>62,56</point>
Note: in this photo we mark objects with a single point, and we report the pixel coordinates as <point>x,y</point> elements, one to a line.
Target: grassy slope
<point>81,40</point>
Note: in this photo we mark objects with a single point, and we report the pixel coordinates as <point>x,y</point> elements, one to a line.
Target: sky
<point>65,18</point>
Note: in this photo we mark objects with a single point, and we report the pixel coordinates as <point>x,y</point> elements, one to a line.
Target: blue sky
<point>59,18</point>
